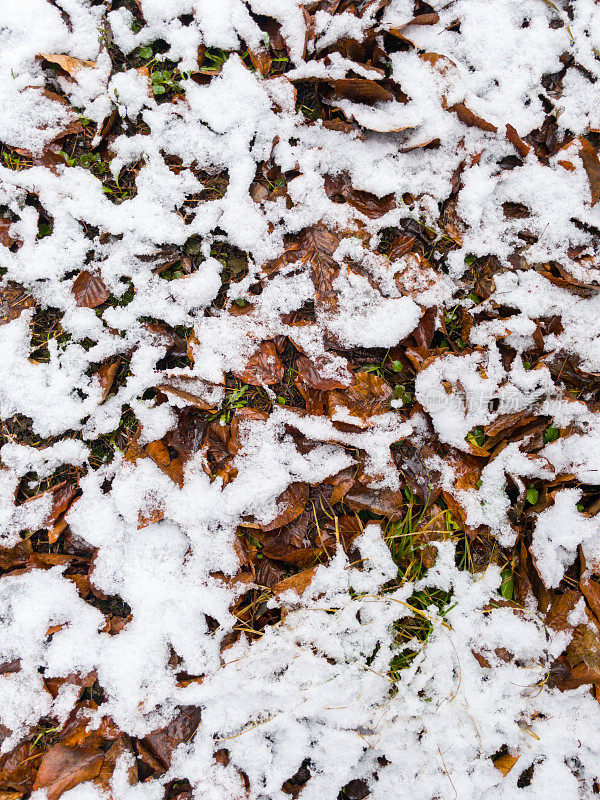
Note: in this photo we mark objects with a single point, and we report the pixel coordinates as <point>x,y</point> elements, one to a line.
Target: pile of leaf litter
<point>299,381</point>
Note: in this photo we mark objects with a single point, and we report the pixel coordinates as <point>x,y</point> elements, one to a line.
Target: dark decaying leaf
<point>264,367</point>
<point>161,743</point>
<point>89,290</point>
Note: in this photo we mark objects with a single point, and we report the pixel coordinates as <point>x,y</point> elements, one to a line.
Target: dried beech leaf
<point>264,367</point>
<point>64,767</point>
<point>513,137</point>
<point>13,300</point>
<point>361,90</point>
<point>106,376</point>
<point>298,582</point>
<point>291,504</point>
<point>466,116</point>
<point>505,763</point>
<point>591,164</point>
<point>89,290</point>
<point>309,372</point>
<point>591,591</point>
<point>370,395</point>
<point>68,63</point>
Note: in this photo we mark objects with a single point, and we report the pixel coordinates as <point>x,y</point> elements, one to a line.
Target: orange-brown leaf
<point>505,763</point>
<point>291,504</point>
<point>591,164</point>
<point>106,375</point>
<point>64,767</point>
<point>299,582</point>
<point>263,367</point>
<point>68,63</point>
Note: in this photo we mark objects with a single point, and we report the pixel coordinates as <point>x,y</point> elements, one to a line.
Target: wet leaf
<point>89,290</point>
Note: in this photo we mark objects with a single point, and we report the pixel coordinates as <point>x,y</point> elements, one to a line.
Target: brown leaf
<point>68,63</point>
<point>106,376</point>
<point>16,556</point>
<point>591,591</point>
<point>13,300</point>
<point>269,573</point>
<point>298,582</point>
<point>62,497</point>
<point>173,467</point>
<point>423,333</point>
<point>384,502</point>
<point>18,767</point>
<point>367,203</point>
<point>291,504</point>
<point>161,743</point>
<point>5,238</point>
<point>264,367</point>
<point>318,245</point>
<point>119,747</point>
<point>585,647</point>
<point>370,395</point>
<point>505,763</point>
<point>470,119</point>
<point>591,164</point>
<point>261,61</point>
<point>400,246</point>
<point>361,90</point>
<point>64,767</point>
<point>309,372</point>
<point>89,290</point>
<point>513,137</point>
<point>73,125</point>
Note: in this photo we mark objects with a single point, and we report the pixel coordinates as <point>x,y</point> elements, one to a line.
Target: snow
<point>315,685</point>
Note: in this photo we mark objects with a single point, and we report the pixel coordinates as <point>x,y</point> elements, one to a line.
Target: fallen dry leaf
<point>64,767</point>
<point>591,164</point>
<point>89,290</point>
<point>264,367</point>
<point>68,63</point>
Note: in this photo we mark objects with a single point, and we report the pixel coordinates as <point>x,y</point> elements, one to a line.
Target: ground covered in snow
<point>299,395</point>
